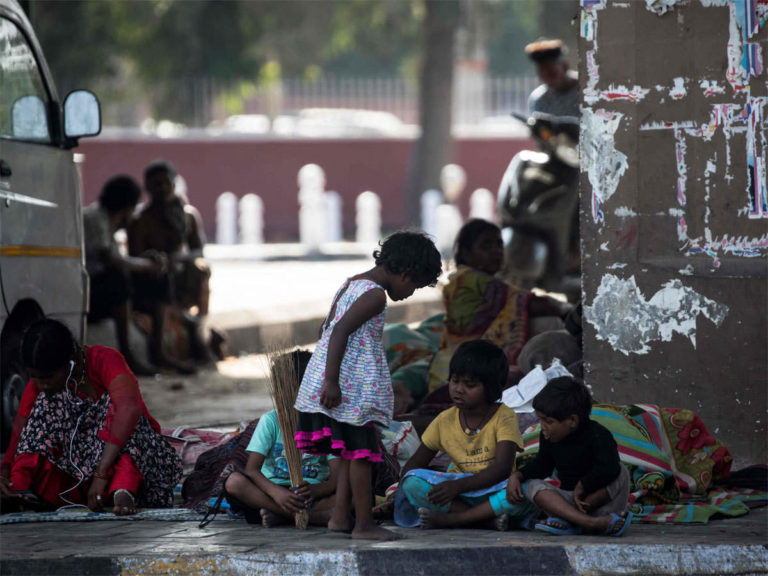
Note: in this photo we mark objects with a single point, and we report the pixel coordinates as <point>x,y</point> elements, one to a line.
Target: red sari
<point>117,391</point>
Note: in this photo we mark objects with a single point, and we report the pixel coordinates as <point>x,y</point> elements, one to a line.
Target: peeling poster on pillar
<point>622,316</point>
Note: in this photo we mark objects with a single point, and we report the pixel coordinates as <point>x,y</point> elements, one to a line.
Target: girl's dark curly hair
<point>412,254</point>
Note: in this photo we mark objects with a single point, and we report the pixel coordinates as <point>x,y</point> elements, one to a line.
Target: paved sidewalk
<point>733,546</point>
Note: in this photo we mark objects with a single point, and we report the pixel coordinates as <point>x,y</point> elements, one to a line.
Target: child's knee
<point>532,488</point>
<point>235,483</point>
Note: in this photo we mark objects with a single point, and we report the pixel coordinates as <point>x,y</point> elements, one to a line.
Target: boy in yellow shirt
<point>481,436</point>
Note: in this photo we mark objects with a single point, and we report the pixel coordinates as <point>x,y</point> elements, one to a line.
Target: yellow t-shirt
<point>471,454</point>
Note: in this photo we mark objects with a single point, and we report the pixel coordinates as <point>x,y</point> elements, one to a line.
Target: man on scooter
<point>558,94</point>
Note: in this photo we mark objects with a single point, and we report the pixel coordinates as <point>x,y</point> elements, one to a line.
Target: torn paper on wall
<point>678,91</point>
<point>660,6</point>
<point>634,94</point>
<point>711,88</point>
<point>629,323</point>
<point>602,162</point>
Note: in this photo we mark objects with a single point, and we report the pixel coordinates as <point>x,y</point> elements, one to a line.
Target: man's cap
<point>545,50</point>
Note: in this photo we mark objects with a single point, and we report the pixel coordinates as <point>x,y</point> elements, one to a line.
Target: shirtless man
<point>169,226</point>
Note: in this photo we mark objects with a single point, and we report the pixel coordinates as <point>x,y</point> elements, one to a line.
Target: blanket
<point>673,461</point>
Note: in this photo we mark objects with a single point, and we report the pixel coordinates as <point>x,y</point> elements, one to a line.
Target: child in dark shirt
<point>594,485</point>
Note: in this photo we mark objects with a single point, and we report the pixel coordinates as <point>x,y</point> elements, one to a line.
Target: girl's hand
<point>444,493</point>
<point>96,494</point>
<point>289,501</point>
<point>330,395</point>
<point>515,489</point>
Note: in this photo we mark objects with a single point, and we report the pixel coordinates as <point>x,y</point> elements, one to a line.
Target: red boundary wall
<point>269,168</point>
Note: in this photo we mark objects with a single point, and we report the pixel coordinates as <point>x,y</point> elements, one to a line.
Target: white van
<point>42,265</point>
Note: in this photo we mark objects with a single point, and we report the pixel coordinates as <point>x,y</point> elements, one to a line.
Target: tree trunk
<point>433,149</point>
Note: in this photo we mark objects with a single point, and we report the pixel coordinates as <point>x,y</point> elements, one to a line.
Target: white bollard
<point>430,200</point>
<point>312,220</point>
<point>368,218</point>
<point>482,204</point>
<point>449,223</point>
<point>251,220</point>
<point>334,229</point>
<point>226,219</point>
<point>453,179</point>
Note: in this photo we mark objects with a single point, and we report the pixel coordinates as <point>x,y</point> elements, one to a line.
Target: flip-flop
<point>612,531</point>
<point>568,528</point>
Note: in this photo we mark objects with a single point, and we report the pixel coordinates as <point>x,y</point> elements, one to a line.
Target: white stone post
<point>334,228</point>
<point>312,220</point>
<point>430,200</point>
<point>226,218</point>
<point>368,218</point>
<point>251,220</point>
<point>482,204</point>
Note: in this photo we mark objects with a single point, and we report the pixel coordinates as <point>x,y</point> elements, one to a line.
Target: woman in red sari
<point>82,434</point>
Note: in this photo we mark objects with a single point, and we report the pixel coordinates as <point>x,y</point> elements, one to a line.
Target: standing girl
<point>346,388</point>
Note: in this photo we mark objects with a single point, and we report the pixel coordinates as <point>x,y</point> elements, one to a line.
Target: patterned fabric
<point>673,461</point>
<point>206,482</point>
<point>66,431</point>
<point>366,388</point>
<point>478,305</point>
<point>410,351</point>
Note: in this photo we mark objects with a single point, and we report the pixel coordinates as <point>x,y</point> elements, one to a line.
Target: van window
<point>23,97</point>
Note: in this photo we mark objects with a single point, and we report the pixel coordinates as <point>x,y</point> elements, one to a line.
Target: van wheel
<point>13,388</point>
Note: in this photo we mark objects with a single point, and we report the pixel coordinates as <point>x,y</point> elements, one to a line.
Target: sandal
<point>558,527</point>
<point>612,530</point>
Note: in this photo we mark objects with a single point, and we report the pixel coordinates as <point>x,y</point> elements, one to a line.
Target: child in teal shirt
<point>264,485</point>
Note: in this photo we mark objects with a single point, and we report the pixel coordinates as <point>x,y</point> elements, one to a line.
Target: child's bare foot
<point>341,524</point>
<point>269,519</point>
<point>124,503</point>
<point>501,522</point>
<point>373,531</point>
<point>432,519</point>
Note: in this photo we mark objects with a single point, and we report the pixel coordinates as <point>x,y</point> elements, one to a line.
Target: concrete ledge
<point>392,559</point>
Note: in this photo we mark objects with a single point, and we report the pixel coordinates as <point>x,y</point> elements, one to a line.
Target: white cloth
<point>520,397</point>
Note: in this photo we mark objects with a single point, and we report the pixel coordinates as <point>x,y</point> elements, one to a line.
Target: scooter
<point>538,204</point>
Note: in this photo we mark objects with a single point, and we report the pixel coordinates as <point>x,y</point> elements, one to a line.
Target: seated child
<point>481,436</point>
<point>594,485</point>
<point>263,488</point>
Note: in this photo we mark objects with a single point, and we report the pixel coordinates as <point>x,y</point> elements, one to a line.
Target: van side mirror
<point>82,114</point>
<point>29,119</point>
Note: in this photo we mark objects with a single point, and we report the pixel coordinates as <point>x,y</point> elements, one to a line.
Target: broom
<point>283,387</point>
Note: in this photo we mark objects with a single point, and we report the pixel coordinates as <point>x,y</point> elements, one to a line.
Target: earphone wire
<point>75,402</point>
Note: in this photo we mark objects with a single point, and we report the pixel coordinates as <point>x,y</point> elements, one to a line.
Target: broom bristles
<point>283,387</point>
